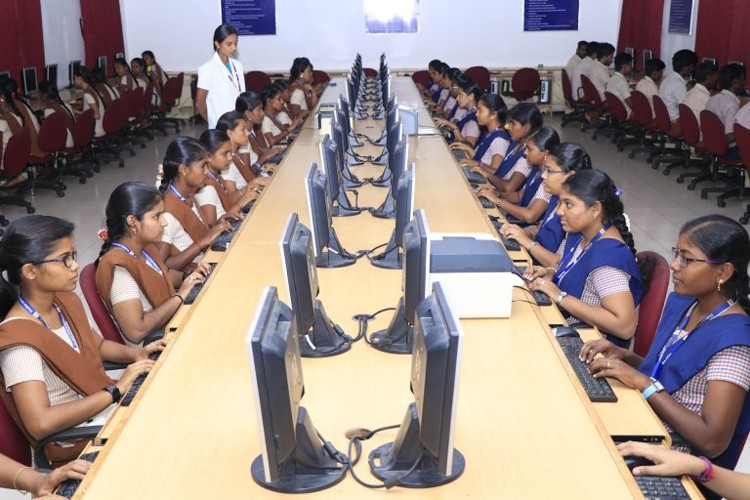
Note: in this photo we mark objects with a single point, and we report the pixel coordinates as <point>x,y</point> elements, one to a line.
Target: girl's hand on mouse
<point>666,462</point>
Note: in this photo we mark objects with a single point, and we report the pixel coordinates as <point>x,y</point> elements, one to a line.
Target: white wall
<point>330,32</point>
<point>672,42</point>
<point>62,35</point>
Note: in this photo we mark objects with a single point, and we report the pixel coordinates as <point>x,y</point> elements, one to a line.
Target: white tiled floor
<point>656,204</point>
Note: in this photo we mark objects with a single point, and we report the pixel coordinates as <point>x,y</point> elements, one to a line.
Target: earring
<point>718,285</point>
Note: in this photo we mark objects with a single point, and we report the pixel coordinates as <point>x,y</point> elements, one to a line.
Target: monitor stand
<point>324,339</point>
<point>392,461</point>
<point>398,338</point>
<point>310,469</point>
<point>390,258</point>
<point>387,209</point>
<point>335,256</point>
<point>344,207</point>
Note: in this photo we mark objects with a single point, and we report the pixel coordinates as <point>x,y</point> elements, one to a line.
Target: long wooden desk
<point>524,423</point>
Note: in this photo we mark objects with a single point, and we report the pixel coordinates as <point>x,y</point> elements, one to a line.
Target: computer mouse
<point>566,331</point>
<point>633,461</point>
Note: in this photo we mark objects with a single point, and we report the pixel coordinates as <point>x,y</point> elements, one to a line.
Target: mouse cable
<point>364,319</point>
<point>355,446</point>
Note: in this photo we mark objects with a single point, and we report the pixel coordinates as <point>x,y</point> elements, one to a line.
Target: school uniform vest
<point>550,233</point>
<point>183,213</point>
<point>226,201</point>
<point>83,371</point>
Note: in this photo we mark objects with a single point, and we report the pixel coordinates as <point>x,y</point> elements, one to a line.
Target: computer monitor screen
<point>630,51</point>
<point>299,269</point>
<point>406,187</point>
<point>287,436</point>
<point>647,56</point>
<point>328,156</point>
<point>430,421</point>
<point>318,203</point>
<point>736,62</point>
<point>101,63</point>
<point>709,60</point>
<point>50,74</point>
<point>73,68</point>
<point>28,76</point>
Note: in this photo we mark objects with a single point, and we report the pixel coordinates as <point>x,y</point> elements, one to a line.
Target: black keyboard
<point>276,159</point>
<point>221,243</point>
<point>541,298</point>
<point>246,209</point>
<point>510,245</point>
<point>486,203</point>
<point>137,383</point>
<point>68,487</point>
<point>473,177</point>
<point>597,389</point>
<point>459,154</point>
<point>193,294</point>
<point>661,488</point>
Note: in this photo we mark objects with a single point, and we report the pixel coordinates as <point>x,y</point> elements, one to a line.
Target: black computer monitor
<point>396,165</point>
<point>292,458</point>
<point>391,257</point>
<point>50,74</point>
<point>736,62</point>
<point>709,60</point>
<point>29,82</point>
<point>328,249</point>
<point>398,337</point>
<point>423,455</point>
<point>4,75</point>
<point>648,54</point>
<point>119,55</point>
<point>394,134</point>
<point>329,156</point>
<point>319,336</point>
<point>350,181</point>
<point>73,68</point>
<point>101,63</point>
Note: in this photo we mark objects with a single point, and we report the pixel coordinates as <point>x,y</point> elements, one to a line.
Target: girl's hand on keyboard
<point>132,372</point>
<point>600,346</point>
<point>616,368</point>
<point>48,482</point>
<point>192,279</point>
<point>514,232</point>
<point>156,346</point>
<point>538,272</point>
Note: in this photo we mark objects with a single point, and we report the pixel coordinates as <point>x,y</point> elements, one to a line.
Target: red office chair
<point>80,153</point>
<point>691,134</point>
<point>421,77</point>
<point>51,141</point>
<point>644,119</point>
<point>481,76</point>
<point>320,77</point>
<point>256,80</point>
<point>742,136</point>
<point>620,120</point>
<point>715,140</point>
<point>663,126</point>
<point>577,106</point>
<point>594,100</point>
<point>13,443</point>
<point>524,84</point>
<point>17,154</point>
<point>107,147</point>
<point>170,93</point>
<point>370,72</point>
<point>652,303</point>
<point>133,100</point>
<point>98,309</point>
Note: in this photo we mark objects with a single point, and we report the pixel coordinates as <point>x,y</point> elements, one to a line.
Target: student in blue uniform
<point>700,354</point>
<point>493,143</point>
<point>543,241</point>
<point>598,281</point>
<point>465,128</point>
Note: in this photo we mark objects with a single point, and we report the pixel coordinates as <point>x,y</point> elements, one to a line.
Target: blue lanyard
<point>30,309</point>
<point>218,180</point>
<point>568,261</point>
<point>177,193</point>
<point>548,218</point>
<point>149,260</point>
<point>236,81</point>
<point>679,336</point>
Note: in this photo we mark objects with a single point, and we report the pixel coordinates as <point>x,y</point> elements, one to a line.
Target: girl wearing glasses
<point>531,202</point>
<point>543,241</point>
<point>696,374</point>
<point>136,286</point>
<point>598,280</point>
<point>50,357</point>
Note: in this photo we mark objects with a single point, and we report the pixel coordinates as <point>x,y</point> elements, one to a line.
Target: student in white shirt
<point>577,57</point>
<point>649,84</point>
<point>53,103</point>
<point>276,125</point>
<point>583,69</point>
<point>618,83</point>
<point>599,70</point>
<point>304,99</point>
<point>726,104</point>
<point>241,175</point>
<point>221,79</point>
<point>743,116</point>
<point>91,99</point>
<point>127,80</point>
<point>673,88</point>
<point>705,76</point>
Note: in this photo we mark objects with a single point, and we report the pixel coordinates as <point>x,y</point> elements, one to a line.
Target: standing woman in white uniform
<point>221,79</point>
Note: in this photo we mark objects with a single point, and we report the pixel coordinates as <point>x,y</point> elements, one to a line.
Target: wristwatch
<point>560,297</point>
<point>652,389</point>
<point>114,392</point>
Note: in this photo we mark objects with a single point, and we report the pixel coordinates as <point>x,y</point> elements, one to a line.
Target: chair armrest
<point>72,434</point>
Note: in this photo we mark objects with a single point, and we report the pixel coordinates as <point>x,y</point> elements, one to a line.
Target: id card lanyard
<point>149,260</point>
<point>30,309</point>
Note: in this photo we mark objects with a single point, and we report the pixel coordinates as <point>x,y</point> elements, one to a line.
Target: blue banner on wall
<point>250,17</point>
<point>680,16</point>
<point>550,15</point>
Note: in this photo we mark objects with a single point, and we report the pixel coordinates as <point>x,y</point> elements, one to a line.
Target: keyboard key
<point>597,389</point>
<point>473,177</point>
<point>486,203</point>
<point>193,294</point>
<point>68,488</point>
<point>661,488</point>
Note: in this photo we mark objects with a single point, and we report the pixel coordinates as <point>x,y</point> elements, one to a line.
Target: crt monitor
<point>398,337</point>
<point>319,336</point>
<point>424,443</point>
<point>292,458</point>
<point>328,250</point>
<point>329,156</point>
<point>50,74</point>
<point>647,56</point>
<point>28,79</point>
<point>101,63</point>
<point>405,184</point>
<point>73,68</point>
